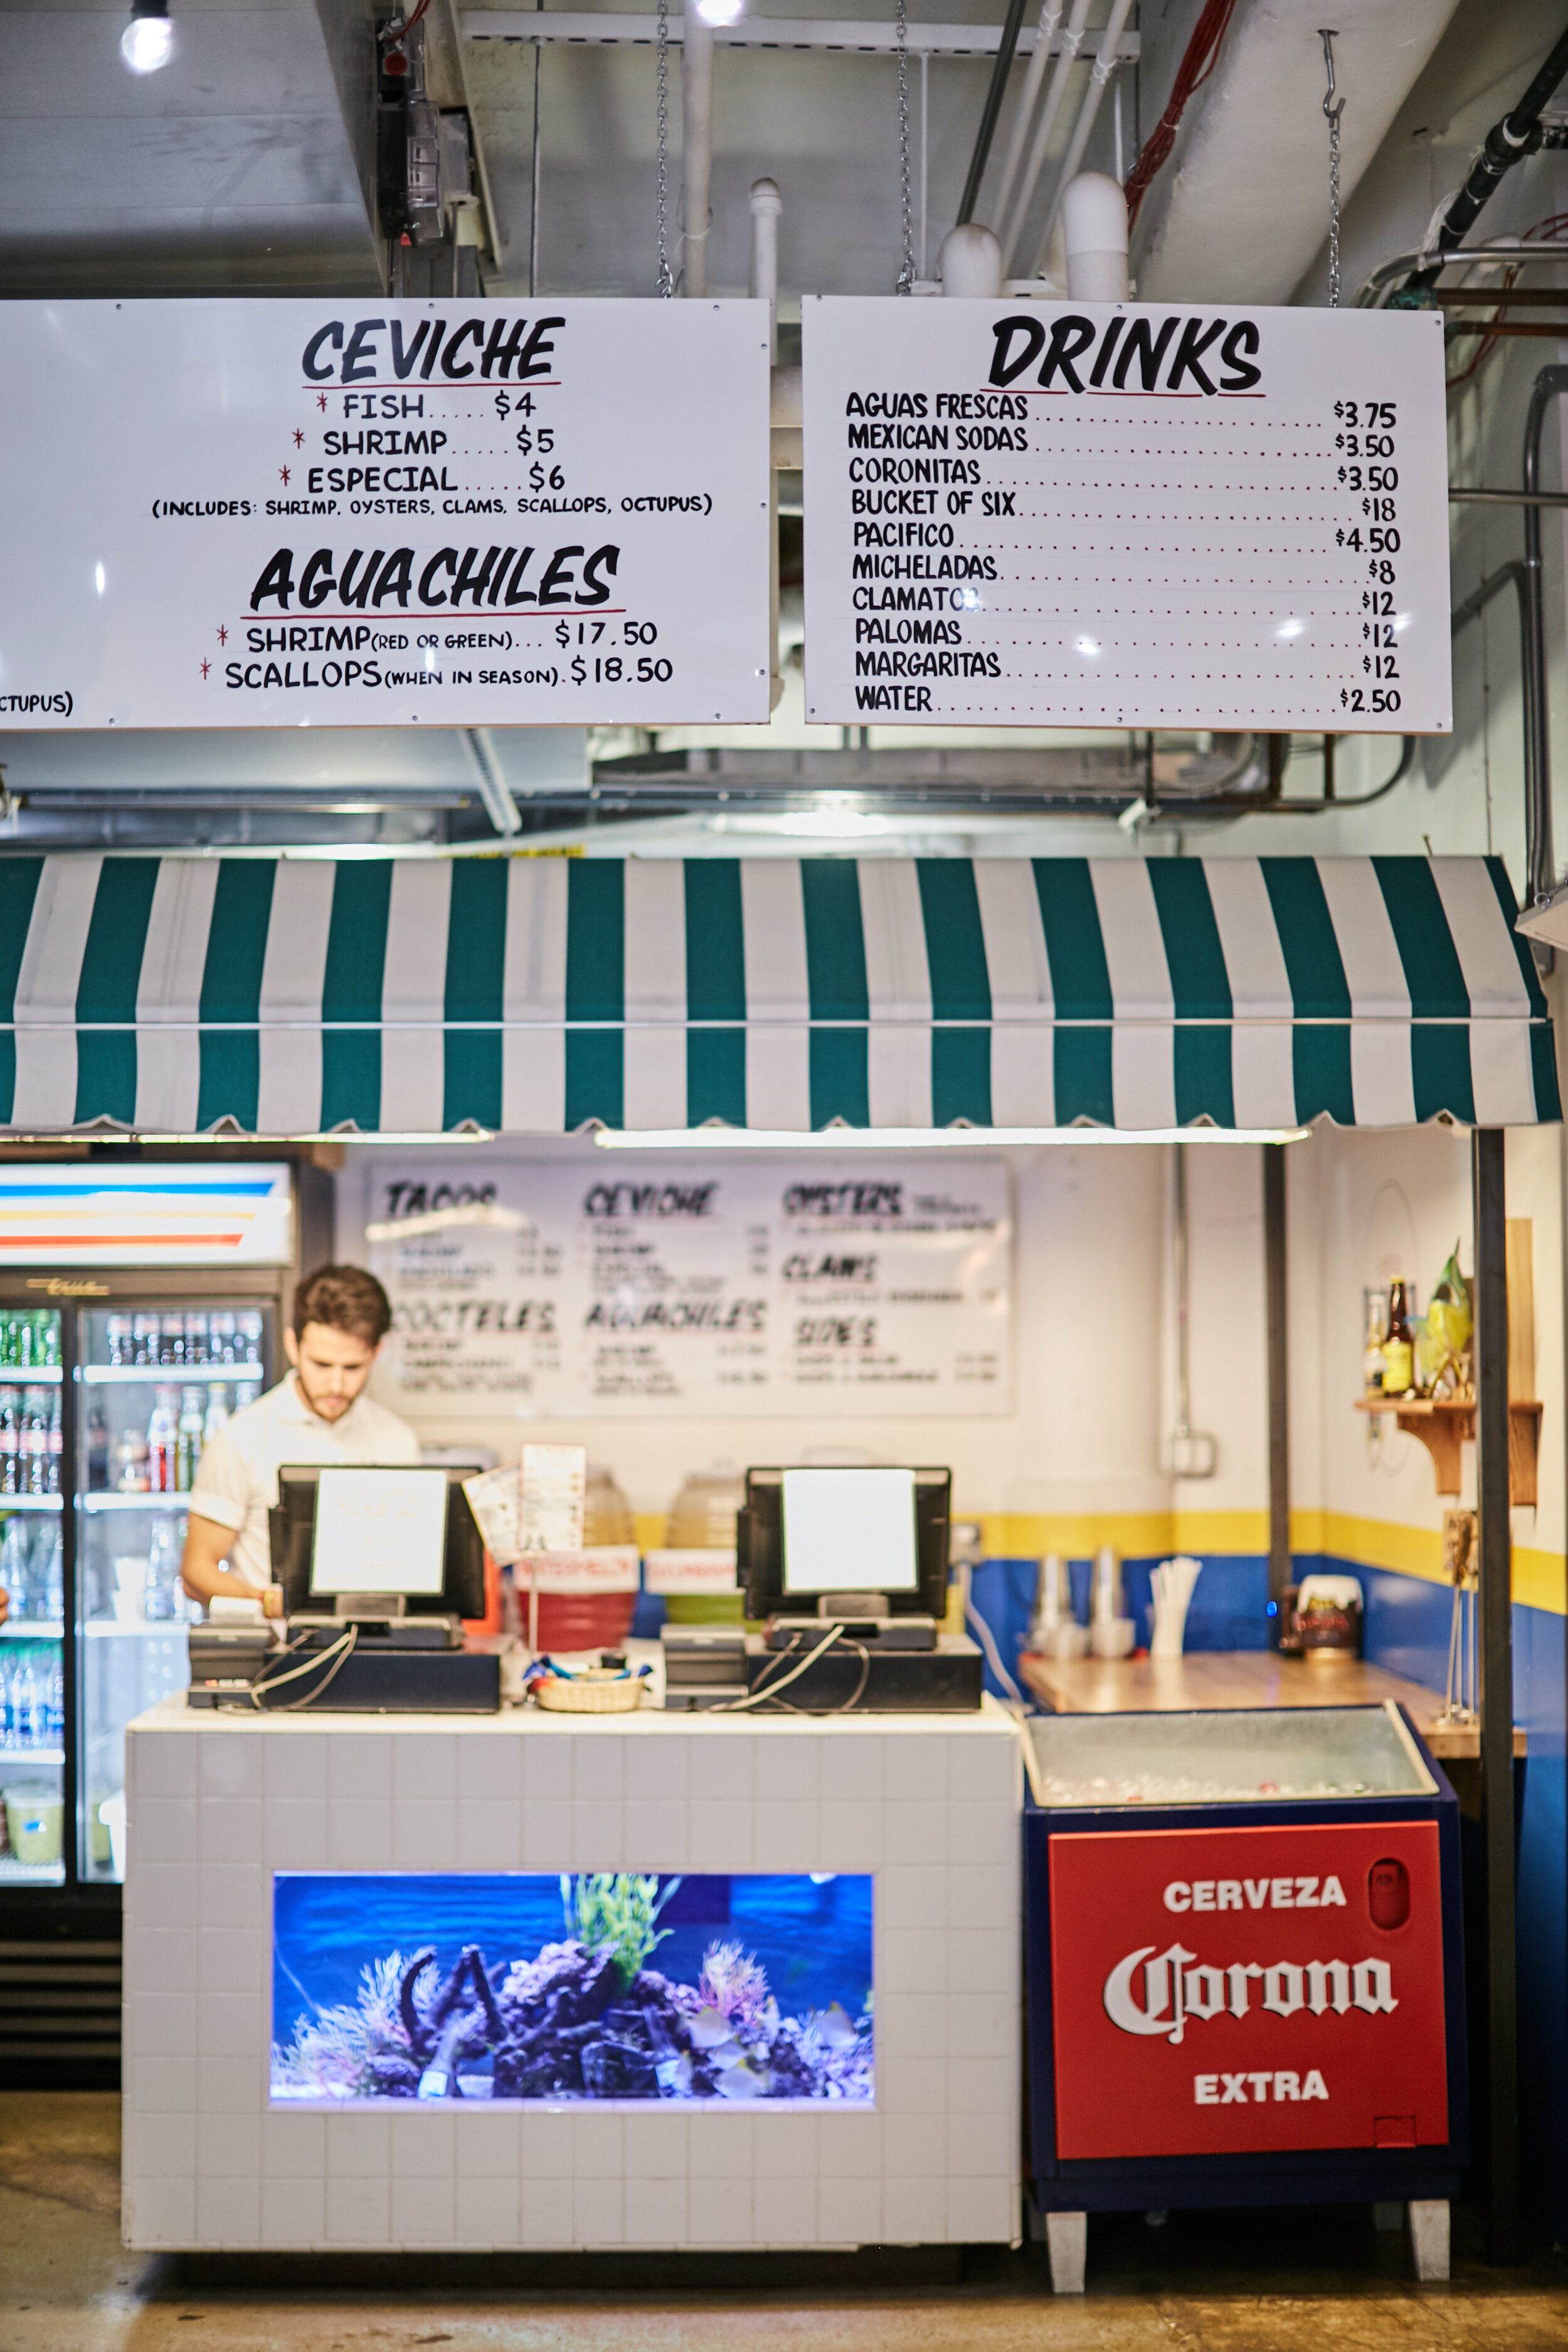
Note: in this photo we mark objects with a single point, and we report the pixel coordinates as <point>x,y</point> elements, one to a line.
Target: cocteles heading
<point>491,347</point>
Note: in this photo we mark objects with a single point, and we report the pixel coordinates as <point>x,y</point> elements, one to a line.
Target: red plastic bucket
<point>581,1621</point>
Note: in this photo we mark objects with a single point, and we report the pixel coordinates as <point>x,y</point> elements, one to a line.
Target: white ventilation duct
<point>1241,209</point>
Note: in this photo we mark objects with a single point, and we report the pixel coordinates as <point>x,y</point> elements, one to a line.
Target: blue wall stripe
<point>715,941</point>
<point>955,940</point>
<point>595,942</point>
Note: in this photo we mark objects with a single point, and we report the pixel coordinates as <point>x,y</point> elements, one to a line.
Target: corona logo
<point>1177,1990</point>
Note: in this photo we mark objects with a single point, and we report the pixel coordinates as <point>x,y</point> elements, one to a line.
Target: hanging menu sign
<point>286,514</point>
<point>801,1286</point>
<point>1029,514</point>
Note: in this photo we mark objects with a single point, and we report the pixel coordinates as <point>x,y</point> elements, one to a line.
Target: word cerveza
<point>1185,348</point>
<point>1175,1993</point>
<point>1262,1894</point>
<point>495,577</point>
<point>491,347</point>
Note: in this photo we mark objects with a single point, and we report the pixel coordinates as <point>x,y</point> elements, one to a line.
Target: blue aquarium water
<point>528,1987</point>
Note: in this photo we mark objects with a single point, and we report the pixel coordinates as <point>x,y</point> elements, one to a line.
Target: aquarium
<point>520,1987</point>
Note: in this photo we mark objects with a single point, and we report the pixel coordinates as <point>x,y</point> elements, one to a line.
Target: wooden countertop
<point>1233,1678</point>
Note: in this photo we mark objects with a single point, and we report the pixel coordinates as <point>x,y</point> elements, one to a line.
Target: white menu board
<point>807,1287</point>
<point>1043,514</point>
<point>340,513</point>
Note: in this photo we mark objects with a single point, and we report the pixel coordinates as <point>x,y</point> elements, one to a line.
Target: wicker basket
<point>599,1691</point>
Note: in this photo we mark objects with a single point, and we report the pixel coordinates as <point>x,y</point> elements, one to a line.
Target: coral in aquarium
<point>583,2018</point>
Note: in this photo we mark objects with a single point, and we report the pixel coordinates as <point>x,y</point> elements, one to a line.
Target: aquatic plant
<point>614,1913</point>
<point>332,2054</point>
<point>734,1983</point>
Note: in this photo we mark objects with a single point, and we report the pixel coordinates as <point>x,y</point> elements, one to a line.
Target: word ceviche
<point>1147,353</point>
<point>489,349</point>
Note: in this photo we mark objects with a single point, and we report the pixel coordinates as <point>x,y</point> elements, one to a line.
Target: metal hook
<point>1333,112</point>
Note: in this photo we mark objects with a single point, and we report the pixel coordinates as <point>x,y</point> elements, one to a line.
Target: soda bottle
<point>163,1433</point>
<point>196,1339</point>
<point>248,1331</point>
<point>220,1336</point>
<point>52,1595</point>
<point>54,1709</point>
<point>10,1445</point>
<point>117,1340</point>
<point>49,1324</point>
<point>144,1339</point>
<point>24,1702</point>
<point>34,1442</point>
<point>188,1442</point>
<point>14,1564</point>
<point>216,1412</point>
<point>172,1339</point>
<point>57,1440</point>
<point>5,1701</point>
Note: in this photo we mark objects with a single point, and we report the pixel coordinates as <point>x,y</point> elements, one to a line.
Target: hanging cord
<point>665,284</point>
<point>1333,114</point>
<point>1199,62</point>
<point>905,278</point>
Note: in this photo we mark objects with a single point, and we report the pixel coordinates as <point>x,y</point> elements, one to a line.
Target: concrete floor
<point>1323,2281</point>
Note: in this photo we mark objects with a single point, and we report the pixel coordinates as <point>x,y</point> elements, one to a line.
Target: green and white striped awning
<point>533,995</point>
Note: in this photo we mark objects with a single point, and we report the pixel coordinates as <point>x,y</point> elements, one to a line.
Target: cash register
<point>847,1567</point>
<point>378,1565</point>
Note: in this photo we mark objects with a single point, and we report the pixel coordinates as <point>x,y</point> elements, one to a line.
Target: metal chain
<point>1333,113</point>
<point>666,281</point>
<point>905,278</point>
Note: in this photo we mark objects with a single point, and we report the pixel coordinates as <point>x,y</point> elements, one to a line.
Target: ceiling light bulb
<point>148,41</point>
<point>719,12</point>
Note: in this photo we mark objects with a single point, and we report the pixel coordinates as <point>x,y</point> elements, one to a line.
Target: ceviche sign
<point>1308,2011</point>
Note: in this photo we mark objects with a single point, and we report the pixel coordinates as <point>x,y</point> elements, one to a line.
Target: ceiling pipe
<point>1549,385</point>
<point>498,805</point>
<point>1104,67</point>
<point>1507,143</point>
<point>1094,229</point>
<point>990,111</point>
<point>1011,229</point>
<point>970,263</point>
<point>697,130</point>
<point>1028,98</point>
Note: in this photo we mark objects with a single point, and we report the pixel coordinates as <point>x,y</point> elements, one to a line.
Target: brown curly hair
<point>348,1299</point>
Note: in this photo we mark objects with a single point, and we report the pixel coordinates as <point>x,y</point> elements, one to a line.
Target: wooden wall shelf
<point>1443,1424</point>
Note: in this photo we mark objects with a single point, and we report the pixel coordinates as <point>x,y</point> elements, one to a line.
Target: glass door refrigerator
<point>113,1378</point>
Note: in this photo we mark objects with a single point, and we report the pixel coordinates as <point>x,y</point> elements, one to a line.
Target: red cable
<point>1202,55</point>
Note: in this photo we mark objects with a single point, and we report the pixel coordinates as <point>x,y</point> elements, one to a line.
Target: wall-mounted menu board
<point>329,513</point>
<point>813,1285</point>
<point>1046,514</point>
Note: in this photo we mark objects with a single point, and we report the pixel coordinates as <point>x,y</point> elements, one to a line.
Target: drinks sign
<point>1028,514</point>
<point>384,513</point>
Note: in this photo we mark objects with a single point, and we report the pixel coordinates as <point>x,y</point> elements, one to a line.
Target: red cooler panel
<point>1220,1990</point>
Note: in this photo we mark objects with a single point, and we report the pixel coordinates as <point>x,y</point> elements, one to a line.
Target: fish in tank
<point>598,1985</point>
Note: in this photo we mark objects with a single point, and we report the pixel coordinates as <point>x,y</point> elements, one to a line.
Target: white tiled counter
<point>928,1804</point>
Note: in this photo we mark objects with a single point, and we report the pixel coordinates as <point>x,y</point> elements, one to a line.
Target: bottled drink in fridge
<point>117,1340</point>
<point>144,1339</point>
<point>10,1444</point>
<point>34,1442</point>
<point>14,1565</point>
<point>26,1710</point>
<point>216,1412</point>
<point>172,1339</point>
<point>57,1439</point>
<point>245,1392</point>
<point>49,1581</point>
<point>221,1336</point>
<point>54,1709</point>
<point>196,1339</point>
<point>188,1441</point>
<point>162,1435</point>
<point>248,1330</point>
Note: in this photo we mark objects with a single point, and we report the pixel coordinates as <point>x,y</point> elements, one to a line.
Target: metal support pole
<point>1275,1315</point>
<point>1494,1544</point>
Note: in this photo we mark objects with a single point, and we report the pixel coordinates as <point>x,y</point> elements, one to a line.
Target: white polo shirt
<point>236,1479</point>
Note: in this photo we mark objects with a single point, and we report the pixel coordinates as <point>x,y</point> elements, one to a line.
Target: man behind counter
<point>317,1413</point>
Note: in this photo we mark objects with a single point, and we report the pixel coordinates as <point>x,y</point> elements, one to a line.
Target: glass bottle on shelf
<point>52,1583</point>
<point>25,1709</point>
<point>57,1439</point>
<point>216,1412</point>
<point>161,1597</point>
<point>1398,1352</point>
<point>132,1470</point>
<point>188,1441</point>
<point>10,1441</point>
<point>172,1339</point>
<point>221,1336</point>
<point>144,1339</point>
<point>117,1340</point>
<point>14,1564</point>
<point>196,1339</point>
<point>245,1392</point>
<point>248,1331</point>
<point>35,1443</point>
<point>162,1440</point>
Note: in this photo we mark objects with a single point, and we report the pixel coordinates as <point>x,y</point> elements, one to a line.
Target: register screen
<point>849,1531</point>
<point>379,1531</point>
